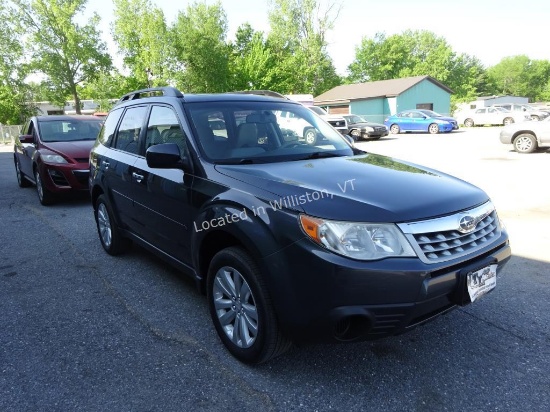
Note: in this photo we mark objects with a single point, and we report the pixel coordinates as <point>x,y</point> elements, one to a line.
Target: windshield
<point>502,109</point>
<point>69,130</point>
<point>263,132</point>
<point>354,119</point>
<point>318,110</point>
<point>430,113</point>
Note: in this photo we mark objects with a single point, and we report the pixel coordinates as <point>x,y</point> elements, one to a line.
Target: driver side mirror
<point>26,138</point>
<point>166,156</point>
<point>349,139</point>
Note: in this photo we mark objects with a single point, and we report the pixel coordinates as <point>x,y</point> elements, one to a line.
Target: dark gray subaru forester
<point>292,242</point>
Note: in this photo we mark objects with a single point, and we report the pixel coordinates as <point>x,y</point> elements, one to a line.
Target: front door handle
<point>138,177</point>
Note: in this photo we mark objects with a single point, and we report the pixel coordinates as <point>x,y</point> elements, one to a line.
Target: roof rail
<point>150,92</point>
<point>262,93</point>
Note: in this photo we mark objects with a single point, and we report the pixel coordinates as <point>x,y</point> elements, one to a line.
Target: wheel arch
<point>520,132</point>
<point>252,234</point>
<point>95,193</point>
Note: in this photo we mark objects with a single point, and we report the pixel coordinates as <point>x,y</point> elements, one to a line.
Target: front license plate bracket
<point>474,282</point>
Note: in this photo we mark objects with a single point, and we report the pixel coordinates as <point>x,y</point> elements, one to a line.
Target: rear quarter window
<point>107,132</point>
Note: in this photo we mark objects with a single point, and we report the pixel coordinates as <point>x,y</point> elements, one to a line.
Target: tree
<point>417,53</point>
<point>12,71</point>
<point>67,53</point>
<point>252,61</point>
<point>298,42</point>
<point>141,34</point>
<point>201,54</point>
<point>520,76</point>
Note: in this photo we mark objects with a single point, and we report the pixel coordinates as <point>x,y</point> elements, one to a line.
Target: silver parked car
<point>490,116</point>
<point>527,136</point>
<point>531,111</point>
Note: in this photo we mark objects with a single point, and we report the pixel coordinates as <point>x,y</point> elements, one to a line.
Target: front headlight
<point>53,159</point>
<point>363,241</point>
<point>368,129</point>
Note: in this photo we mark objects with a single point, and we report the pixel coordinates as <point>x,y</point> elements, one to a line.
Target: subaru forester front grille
<point>449,237</point>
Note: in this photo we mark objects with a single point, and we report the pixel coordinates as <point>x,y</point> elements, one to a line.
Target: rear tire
<point>21,179</point>
<point>109,234</point>
<point>241,308</point>
<point>508,121</point>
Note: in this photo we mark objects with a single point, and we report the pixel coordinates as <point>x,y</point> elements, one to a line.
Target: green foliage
<point>141,34</point>
<point>252,63</point>
<point>298,42</point>
<point>12,71</point>
<point>521,76</point>
<point>415,53</point>
<point>44,37</point>
<point>66,52</point>
<point>200,51</point>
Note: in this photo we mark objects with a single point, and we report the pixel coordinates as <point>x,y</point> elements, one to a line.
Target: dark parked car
<point>358,128</point>
<point>420,121</point>
<point>53,153</point>
<point>289,241</point>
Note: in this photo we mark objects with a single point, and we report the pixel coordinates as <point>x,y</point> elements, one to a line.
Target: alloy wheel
<point>235,307</point>
<point>104,225</point>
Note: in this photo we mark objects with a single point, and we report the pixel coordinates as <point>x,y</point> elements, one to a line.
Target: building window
<point>425,106</point>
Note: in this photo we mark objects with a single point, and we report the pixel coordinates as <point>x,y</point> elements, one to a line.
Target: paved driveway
<point>83,331</point>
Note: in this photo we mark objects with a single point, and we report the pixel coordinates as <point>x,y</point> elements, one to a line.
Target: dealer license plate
<point>481,281</point>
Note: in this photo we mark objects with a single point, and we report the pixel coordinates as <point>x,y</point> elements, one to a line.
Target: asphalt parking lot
<point>80,330</point>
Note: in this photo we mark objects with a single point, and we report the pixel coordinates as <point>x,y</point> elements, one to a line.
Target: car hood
<point>367,124</point>
<point>79,149</point>
<point>445,118</point>
<point>366,188</point>
<point>543,125</point>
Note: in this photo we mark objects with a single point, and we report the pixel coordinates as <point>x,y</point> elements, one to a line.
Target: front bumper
<point>506,137</point>
<point>376,133</point>
<point>59,178</point>
<point>323,297</point>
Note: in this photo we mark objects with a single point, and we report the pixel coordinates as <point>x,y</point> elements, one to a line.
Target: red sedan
<point>53,153</point>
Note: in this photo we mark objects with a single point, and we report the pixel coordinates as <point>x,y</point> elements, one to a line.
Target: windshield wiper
<point>319,155</point>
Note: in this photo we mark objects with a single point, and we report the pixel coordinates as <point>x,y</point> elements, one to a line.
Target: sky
<point>487,29</point>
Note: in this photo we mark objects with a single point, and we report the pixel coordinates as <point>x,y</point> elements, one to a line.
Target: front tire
<point>109,234</point>
<point>433,128</point>
<point>310,136</point>
<point>44,195</point>
<point>468,123</point>
<point>508,121</point>
<point>241,308</point>
<point>525,143</point>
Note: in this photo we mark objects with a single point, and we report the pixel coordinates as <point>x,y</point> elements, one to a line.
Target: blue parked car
<point>420,121</point>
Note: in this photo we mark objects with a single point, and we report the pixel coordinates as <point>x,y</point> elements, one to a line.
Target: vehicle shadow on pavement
<point>502,332</point>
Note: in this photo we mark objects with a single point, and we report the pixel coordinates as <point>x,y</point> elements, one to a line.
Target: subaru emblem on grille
<point>467,224</point>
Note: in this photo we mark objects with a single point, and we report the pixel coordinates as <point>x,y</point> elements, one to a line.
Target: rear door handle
<point>138,177</point>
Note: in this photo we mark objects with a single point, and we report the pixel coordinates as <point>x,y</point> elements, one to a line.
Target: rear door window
<point>108,130</point>
<point>129,131</point>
